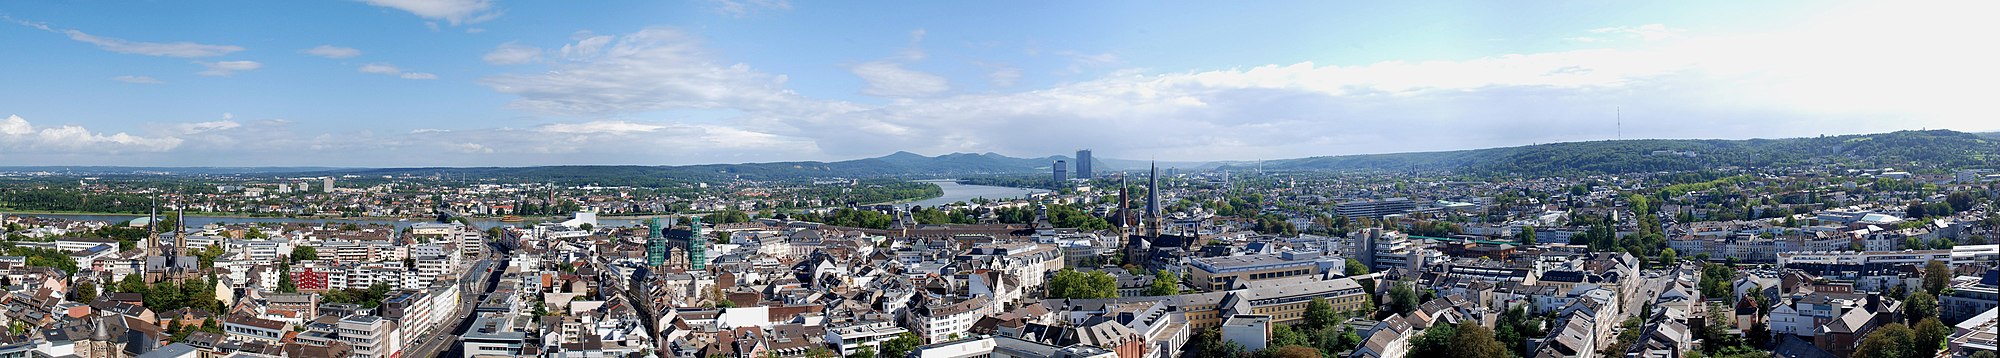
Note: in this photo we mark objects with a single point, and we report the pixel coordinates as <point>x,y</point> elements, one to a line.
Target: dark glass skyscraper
<point>1061,169</point>
<point>1083,164</point>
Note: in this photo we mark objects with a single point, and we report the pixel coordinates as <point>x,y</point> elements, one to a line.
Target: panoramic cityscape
<point>766,178</point>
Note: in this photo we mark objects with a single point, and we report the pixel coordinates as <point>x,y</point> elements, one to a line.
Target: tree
<point>85,292</point>
<point>1759,334</point>
<point>1930,337</point>
<point>1209,343</point>
<point>1984,354</point>
<point>1668,257</point>
<point>1527,236</point>
<point>1319,314</point>
<point>1466,339</point>
<point>1355,268</point>
<point>1294,352</point>
<point>1936,277</point>
<point>132,283</point>
<point>164,296</point>
<point>1920,305</point>
<point>1434,342</point>
<point>1165,283</point>
<point>285,284</point>
<point>818,352</point>
<point>587,227</point>
<point>902,345</point>
<point>1402,298</point>
<point>1514,327</point>
<point>1890,341</point>
<point>304,253</point>
<point>205,257</point>
<point>864,352</point>
<point>722,237</point>
<point>1474,340</point>
<point>1340,341</point>
<point>1287,335</point>
<point>1076,284</point>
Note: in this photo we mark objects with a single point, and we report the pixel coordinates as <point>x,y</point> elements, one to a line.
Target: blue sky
<point>497,82</point>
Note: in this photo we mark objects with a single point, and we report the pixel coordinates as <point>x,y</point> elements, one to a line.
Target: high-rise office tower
<point>1062,171</point>
<point>1083,164</point>
<point>329,184</point>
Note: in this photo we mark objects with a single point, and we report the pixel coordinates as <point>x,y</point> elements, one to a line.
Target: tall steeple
<point>152,230</point>
<point>1124,205</point>
<point>1153,202</point>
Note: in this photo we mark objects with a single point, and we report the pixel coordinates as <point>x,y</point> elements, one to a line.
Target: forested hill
<point>1931,149</point>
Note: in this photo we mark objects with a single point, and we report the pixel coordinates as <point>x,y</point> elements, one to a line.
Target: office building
<point>1061,169</point>
<point>371,336</point>
<point>328,182</point>
<point>1221,273</point>
<point>1083,164</point>
<point>1375,208</point>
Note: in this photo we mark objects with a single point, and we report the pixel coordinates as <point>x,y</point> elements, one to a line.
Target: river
<point>955,192</point>
<point>199,221</point>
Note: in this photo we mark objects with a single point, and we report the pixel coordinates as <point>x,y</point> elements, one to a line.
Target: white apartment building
<point>370,336</point>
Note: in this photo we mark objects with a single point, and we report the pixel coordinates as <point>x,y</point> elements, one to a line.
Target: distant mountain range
<point>1905,149</point>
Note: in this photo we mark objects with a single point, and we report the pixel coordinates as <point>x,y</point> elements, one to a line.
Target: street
<point>472,291</point>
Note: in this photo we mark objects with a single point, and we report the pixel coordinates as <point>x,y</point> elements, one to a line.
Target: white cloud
<point>472,148</point>
<point>916,50</point>
<point>174,49</point>
<point>388,69</point>
<point>144,80</point>
<point>19,136</point>
<point>1648,32</point>
<point>513,53</point>
<point>331,51</point>
<point>1004,76</point>
<point>889,79</point>
<point>1079,60</point>
<point>600,127</point>
<point>453,11</point>
<point>200,127</point>
<point>585,47</point>
<point>653,69</point>
<point>380,68</point>
<point>1694,87</point>
<point>740,8</point>
<point>227,68</point>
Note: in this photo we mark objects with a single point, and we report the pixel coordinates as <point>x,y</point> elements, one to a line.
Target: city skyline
<point>384,83</point>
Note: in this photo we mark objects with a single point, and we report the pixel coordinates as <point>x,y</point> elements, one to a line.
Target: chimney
<point>1874,301</point>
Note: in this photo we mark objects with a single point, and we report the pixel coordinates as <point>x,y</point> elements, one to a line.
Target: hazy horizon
<point>472,83</point>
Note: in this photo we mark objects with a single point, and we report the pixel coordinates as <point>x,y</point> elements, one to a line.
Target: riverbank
<point>955,192</point>
<point>191,215</point>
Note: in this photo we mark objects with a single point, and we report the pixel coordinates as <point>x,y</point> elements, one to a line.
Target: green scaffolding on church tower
<point>697,247</point>
<point>656,243</point>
